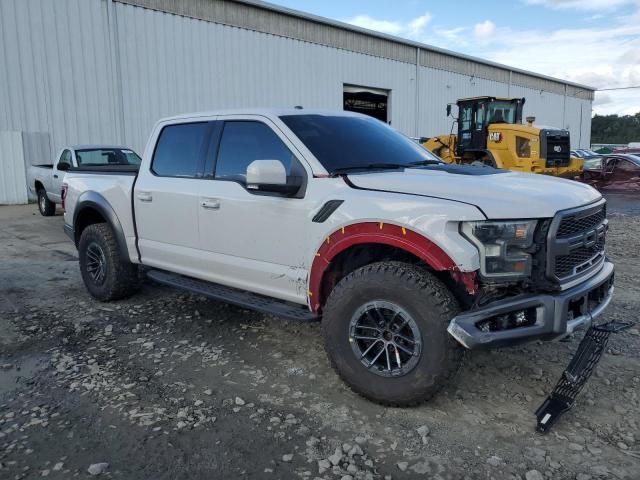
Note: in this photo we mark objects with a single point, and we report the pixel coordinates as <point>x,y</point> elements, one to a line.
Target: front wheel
<point>47,207</point>
<point>385,329</point>
<point>106,273</point>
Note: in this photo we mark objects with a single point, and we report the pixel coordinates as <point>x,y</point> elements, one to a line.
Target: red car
<point>615,172</point>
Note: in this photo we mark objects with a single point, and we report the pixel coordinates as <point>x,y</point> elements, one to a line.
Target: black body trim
<point>235,296</point>
<point>107,169</point>
<point>327,210</point>
<point>95,201</point>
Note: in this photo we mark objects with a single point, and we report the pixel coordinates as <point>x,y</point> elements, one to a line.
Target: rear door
<point>166,198</point>
<point>254,240</point>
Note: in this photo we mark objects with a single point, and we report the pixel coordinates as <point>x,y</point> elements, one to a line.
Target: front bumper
<point>556,315</point>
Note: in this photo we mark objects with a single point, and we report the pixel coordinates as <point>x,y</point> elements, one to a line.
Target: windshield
<point>502,112</point>
<point>343,142</point>
<point>107,156</point>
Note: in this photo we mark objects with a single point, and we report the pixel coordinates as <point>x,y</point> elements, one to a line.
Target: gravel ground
<point>166,385</point>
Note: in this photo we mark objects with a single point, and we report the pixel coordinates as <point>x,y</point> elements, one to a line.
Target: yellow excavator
<point>490,131</point>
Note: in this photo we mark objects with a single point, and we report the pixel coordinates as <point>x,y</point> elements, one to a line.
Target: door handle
<point>210,204</point>
<point>55,176</point>
<point>145,197</point>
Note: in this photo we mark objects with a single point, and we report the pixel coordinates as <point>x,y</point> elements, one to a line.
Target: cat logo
<point>495,137</point>
<point>557,149</point>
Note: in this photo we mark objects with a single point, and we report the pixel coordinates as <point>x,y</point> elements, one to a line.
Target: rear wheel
<point>385,329</point>
<point>106,273</point>
<point>47,207</point>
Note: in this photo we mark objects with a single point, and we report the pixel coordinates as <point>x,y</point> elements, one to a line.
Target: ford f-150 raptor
<point>307,214</point>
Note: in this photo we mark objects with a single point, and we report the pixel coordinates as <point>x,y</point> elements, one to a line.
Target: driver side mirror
<point>63,166</point>
<point>270,176</point>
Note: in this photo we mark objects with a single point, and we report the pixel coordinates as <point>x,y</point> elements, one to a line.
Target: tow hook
<point>587,356</point>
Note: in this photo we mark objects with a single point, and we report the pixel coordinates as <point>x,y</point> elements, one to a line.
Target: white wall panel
<point>56,74</point>
<point>13,178</point>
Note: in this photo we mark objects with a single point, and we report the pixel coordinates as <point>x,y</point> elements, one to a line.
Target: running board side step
<point>235,296</point>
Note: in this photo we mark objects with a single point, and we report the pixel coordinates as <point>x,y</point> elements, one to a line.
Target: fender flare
<point>97,202</point>
<point>380,233</point>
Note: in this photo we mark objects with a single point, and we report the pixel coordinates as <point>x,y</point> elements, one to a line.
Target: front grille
<point>579,260</point>
<point>555,146</point>
<point>573,224</point>
<point>576,242</point>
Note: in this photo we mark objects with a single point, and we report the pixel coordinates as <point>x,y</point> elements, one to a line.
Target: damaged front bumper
<point>543,316</point>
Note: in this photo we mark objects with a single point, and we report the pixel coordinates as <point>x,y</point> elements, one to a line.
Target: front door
<point>254,240</point>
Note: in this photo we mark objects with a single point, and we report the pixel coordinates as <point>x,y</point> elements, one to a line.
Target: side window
<point>242,142</point>
<point>65,158</point>
<point>480,117</point>
<point>626,166</point>
<point>465,118</point>
<point>178,148</point>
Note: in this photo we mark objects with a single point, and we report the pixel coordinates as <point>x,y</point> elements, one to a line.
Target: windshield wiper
<point>370,166</point>
<point>426,162</point>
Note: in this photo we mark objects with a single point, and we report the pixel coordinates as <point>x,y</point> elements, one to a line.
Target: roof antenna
<point>298,107</point>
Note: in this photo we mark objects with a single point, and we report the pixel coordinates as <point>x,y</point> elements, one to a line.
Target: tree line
<point>615,128</point>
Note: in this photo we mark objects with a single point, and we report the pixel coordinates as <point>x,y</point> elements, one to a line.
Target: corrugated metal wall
<point>12,169</point>
<point>176,64</point>
<point>96,71</point>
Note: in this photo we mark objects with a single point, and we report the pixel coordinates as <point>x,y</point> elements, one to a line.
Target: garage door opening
<point>369,101</point>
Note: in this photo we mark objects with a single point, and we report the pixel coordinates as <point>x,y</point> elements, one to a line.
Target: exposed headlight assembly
<point>503,247</point>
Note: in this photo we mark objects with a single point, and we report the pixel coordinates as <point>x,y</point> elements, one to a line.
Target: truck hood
<point>498,193</point>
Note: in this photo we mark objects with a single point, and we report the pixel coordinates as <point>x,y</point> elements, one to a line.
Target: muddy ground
<point>172,386</point>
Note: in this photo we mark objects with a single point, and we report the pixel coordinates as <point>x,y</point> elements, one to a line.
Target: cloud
<point>384,26</point>
<point>583,4</point>
<point>417,25</point>
<point>412,29</point>
<point>602,55</point>
<point>602,99</point>
<point>484,30</point>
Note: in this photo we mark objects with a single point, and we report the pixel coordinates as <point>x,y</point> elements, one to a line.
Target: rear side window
<point>243,142</point>
<point>178,150</point>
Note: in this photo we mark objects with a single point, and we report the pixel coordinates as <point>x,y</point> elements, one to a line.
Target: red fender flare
<point>380,233</point>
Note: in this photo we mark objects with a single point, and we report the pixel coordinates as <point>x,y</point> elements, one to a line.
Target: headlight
<point>502,247</point>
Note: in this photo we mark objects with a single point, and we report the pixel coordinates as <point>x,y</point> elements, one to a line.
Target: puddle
<point>21,370</point>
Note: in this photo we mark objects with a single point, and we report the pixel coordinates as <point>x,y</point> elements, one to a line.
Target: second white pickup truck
<point>332,215</point>
<point>46,180</point>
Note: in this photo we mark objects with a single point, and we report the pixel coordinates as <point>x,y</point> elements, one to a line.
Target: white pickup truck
<point>45,181</point>
<point>308,214</point>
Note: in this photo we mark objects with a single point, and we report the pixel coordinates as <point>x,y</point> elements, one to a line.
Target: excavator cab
<point>476,114</point>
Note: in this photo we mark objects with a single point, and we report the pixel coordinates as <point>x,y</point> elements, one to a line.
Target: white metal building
<point>103,71</point>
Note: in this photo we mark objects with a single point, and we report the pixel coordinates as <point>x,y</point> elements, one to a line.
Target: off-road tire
<point>46,207</point>
<point>121,277</point>
<point>431,306</point>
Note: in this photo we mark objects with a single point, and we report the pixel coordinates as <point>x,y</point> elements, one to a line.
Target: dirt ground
<point>166,385</point>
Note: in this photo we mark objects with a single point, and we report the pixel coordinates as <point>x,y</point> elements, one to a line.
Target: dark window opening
<point>372,102</point>
<point>244,142</point>
<point>178,149</point>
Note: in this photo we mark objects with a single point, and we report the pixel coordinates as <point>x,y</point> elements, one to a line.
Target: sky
<point>591,42</point>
